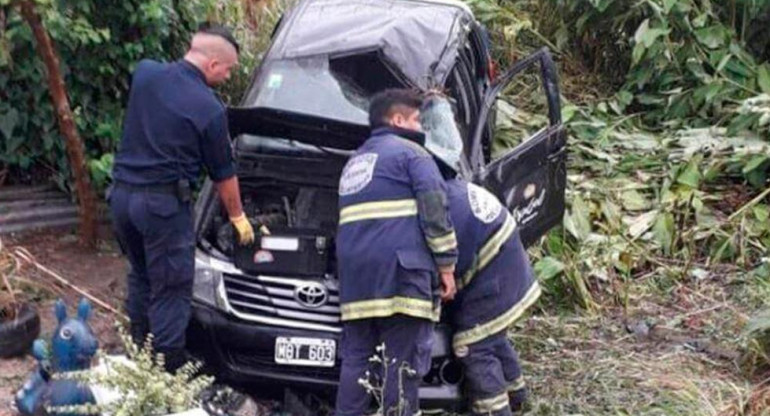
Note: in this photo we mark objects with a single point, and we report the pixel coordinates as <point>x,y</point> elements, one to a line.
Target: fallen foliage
<point>662,258</point>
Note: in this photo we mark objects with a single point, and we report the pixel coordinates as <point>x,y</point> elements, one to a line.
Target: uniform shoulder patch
<point>485,206</point>
<point>358,172</point>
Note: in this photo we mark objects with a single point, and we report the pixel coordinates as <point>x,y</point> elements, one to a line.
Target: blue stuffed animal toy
<point>73,347</point>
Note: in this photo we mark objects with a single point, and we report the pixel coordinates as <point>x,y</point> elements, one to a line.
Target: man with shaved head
<point>174,126</point>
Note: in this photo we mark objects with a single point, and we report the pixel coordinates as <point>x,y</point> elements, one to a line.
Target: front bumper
<point>243,352</point>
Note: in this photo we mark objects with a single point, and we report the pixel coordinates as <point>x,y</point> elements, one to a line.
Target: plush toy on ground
<point>72,348</point>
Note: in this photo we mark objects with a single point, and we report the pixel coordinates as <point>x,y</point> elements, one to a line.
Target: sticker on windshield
<point>275,81</point>
<point>358,173</point>
<point>485,206</point>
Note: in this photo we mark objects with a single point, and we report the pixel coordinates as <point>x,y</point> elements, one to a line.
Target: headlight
<point>205,285</point>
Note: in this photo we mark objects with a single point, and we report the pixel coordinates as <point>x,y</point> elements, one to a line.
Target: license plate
<point>314,352</point>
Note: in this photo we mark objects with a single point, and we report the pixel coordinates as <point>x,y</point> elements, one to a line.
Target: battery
<point>285,252</point>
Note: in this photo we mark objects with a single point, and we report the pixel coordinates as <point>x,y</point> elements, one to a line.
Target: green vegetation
<point>99,43</point>
<point>667,111</point>
<point>664,248</point>
<point>139,382</point>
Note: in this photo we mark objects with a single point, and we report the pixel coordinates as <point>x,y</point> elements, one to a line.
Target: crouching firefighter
<point>395,241</point>
<point>494,279</point>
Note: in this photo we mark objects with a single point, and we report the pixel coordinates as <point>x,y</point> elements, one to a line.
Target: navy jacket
<point>394,229</point>
<point>494,278</point>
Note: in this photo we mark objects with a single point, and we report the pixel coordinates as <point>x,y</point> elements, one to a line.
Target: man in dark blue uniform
<point>494,278</point>
<point>174,126</point>
<point>395,241</point>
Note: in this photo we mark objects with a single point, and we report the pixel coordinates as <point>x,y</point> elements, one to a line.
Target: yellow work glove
<point>243,228</point>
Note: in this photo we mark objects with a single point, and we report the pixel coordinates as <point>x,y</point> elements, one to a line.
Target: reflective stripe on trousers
<point>487,329</point>
<point>491,404</point>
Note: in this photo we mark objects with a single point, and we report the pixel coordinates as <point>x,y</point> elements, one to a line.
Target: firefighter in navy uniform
<point>495,287</point>
<point>396,251</point>
<point>174,126</point>
<point>495,282</point>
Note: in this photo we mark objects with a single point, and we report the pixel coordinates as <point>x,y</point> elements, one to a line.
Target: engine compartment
<point>282,208</point>
<point>292,190</point>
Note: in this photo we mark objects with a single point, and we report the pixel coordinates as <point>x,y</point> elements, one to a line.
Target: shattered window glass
<point>442,136</point>
<point>308,86</point>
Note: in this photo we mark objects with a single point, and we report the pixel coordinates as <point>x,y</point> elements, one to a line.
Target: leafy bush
<point>252,23</point>
<point>99,43</point>
<point>682,62</point>
<point>668,115</point>
<point>142,385</point>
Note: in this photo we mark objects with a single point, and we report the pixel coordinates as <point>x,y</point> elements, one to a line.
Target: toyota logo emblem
<point>311,295</point>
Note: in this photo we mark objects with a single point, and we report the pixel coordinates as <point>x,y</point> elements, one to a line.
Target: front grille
<point>265,362</point>
<point>274,297</point>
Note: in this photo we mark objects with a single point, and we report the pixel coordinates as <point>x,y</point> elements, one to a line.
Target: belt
<point>161,188</point>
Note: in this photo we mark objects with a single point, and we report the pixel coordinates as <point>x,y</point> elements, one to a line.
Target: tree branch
<point>74,144</point>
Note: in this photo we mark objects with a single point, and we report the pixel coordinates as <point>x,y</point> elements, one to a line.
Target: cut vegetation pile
<point>8,304</point>
<point>657,281</point>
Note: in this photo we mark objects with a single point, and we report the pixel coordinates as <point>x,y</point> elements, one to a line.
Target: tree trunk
<point>74,144</point>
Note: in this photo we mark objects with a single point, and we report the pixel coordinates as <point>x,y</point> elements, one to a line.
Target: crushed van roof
<point>420,38</point>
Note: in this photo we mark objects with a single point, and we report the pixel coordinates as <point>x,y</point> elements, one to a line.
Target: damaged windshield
<point>309,86</point>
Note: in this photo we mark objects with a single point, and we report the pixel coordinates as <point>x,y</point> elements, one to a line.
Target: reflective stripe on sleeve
<point>480,332</point>
<point>489,250</point>
<point>378,210</point>
<point>492,404</point>
<point>381,308</point>
<point>442,244</point>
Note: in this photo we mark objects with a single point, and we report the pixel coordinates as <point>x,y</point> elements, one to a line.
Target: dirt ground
<point>100,273</point>
<point>674,350</point>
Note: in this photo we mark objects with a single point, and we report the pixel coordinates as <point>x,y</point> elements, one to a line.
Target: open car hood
<point>269,122</point>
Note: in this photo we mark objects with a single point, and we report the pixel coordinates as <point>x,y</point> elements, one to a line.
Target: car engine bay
<point>306,213</point>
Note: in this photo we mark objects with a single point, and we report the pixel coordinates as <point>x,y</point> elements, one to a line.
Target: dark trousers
<point>492,373</point>
<point>408,342</point>
<point>155,231</point>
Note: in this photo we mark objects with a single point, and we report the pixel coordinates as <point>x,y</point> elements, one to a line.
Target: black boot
<point>139,332</point>
<point>517,399</point>
<point>175,358</point>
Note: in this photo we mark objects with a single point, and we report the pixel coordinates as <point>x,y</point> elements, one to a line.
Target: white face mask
<point>442,136</point>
